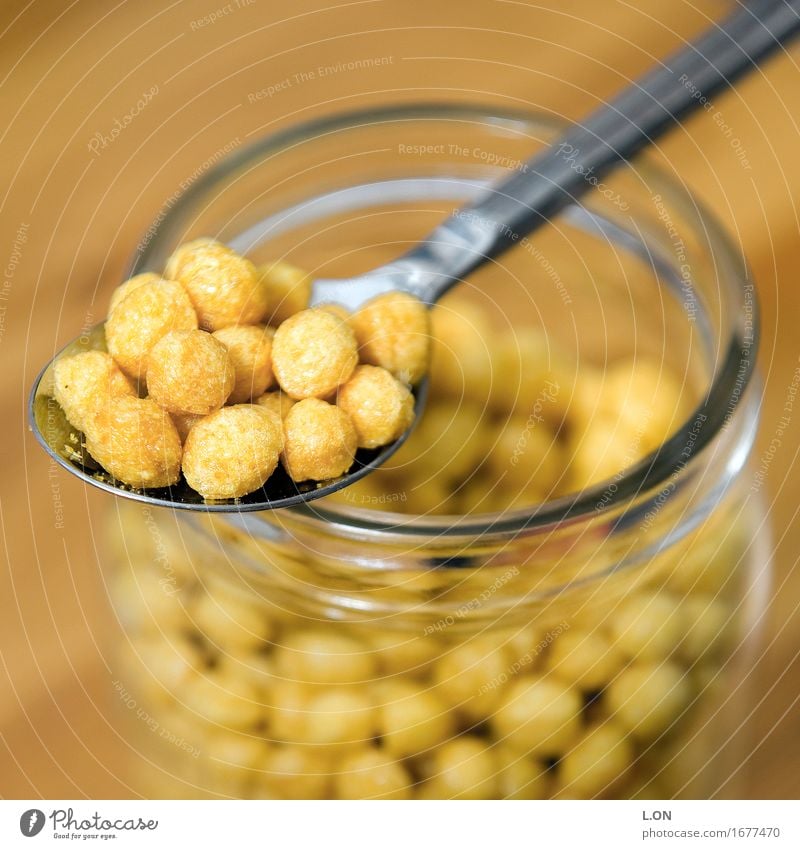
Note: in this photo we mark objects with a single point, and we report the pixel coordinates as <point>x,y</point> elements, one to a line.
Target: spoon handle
<point>616,131</point>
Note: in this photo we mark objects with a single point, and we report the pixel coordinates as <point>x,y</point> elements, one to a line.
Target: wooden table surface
<point>75,197</point>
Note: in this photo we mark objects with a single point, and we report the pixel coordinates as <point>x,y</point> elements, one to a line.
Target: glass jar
<point>594,644</point>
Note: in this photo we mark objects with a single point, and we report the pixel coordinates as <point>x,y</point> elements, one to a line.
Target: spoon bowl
<point>65,445</point>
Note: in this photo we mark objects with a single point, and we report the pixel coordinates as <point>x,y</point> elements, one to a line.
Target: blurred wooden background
<point>71,209</point>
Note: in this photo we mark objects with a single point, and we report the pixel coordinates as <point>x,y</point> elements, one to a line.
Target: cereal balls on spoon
<point>196,382</point>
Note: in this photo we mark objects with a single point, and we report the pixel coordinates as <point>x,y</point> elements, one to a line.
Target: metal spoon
<point>478,232</point>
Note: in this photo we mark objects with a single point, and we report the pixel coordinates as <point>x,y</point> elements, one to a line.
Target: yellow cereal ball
<point>232,452</point>
<point>412,719</point>
<point>278,403</point>
<point>464,768</point>
<point>176,258</point>
<point>143,317</point>
<point>585,658</point>
<point>449,440</point>
<point>601,452</point>
<point>393,331</point>
<point>189,371</point>
<point>381,407</point>
<point>320,657</point>
<point>184,422</point>
<point>401,653</point>
<point>319,441</point>
<point>539,716</point>
<point>232,759</point>
<point>597,762</point>
<point>462,353</point>
<point>340,715</point>
<point>647,625</point>
<point>250,350</point>
<point>123,290</point>
<point>223,286</point>
<point>223,700</point>
<point>230,622</point>
<point>288,289</point>
<point>170,664</point>
<point>646,698</point>
<point>646,397</point>
<point>471,676</point>
<point>519,777</point>
<point>525,455</point>
<point>708,622</point>
<point>313,353</point>
<point>296,772</point>
<point>372,774</point>
<point>86,382</point>
<point>134,440</point>
<point>287,716</point>
<point>534,378</point>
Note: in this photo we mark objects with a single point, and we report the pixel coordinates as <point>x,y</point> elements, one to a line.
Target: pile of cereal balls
<point>218,370</point>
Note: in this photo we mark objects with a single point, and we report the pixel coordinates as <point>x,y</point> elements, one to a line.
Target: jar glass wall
<point>427,635</point>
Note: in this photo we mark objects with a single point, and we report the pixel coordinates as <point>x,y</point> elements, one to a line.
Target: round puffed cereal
<point>393,331</point>
<point>462,355</point>
<point>184,422</point>
<point>276,402</point>
<point>585,658</point>
<point>124,289</point>
<point>380,406</point>
<point>134,440</point>
<point>288,290</point>
<point>173,266</point>
<point>143,317</point>
<point>596,763</point>
<point>470,677</point>
<point>189,371</point>
<point>341,715</point>
<point>86,382</point>
<point>313,353</point>
<point>519,777</point>
<point>319,441</point>
<point>372,774</point>
<point>526,456</point>
<point>223,700</point>
<point>539,716</point>
<point>648,625</point>
<point>646,698</point>
<point>223,286</point>
<point>232,759</point>
<point>464,768</point>
<point>230,623</point>
<point>296,772</point>
<point>412,719</point>
<point>320,657</point>
<point>232,452</point>
<point>250,350</point>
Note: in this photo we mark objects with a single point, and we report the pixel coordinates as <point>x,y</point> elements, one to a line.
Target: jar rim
<point>733,374</point>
